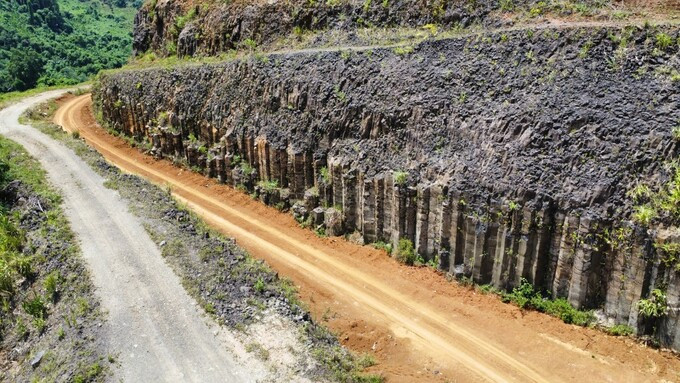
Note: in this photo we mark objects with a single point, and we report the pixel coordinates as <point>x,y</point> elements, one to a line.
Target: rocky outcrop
<point>502,156</point>
<point>189,28</point>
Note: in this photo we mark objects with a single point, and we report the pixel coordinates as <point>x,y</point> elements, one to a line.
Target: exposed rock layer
<point>505,156</point>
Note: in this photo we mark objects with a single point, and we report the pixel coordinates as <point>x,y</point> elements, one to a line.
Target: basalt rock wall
<point>213,27</point>
<point>500,156</point>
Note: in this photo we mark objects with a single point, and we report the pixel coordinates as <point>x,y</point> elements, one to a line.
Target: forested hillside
<point>58,42</point>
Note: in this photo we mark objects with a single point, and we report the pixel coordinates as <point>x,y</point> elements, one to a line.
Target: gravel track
<point>154,327</point>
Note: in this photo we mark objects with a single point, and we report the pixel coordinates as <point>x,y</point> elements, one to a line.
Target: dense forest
<point>60,42</point>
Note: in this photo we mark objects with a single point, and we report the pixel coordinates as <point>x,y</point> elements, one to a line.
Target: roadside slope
<point>153,325</point>
<point>421,327</point>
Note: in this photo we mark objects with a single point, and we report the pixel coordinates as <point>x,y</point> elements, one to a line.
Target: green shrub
<point>655,306</point>
<point>405,252</point>
<point>269,186</point>
<point>325,175</point>
<point>400,178</point>
<point>620,330</point>
<point>663,41</point>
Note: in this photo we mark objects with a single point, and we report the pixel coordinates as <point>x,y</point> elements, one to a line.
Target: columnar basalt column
<point>565,259</point>
<point>349,201</point>
<point>422,215</point>
<point>369,211</point>
<point>525,246</point>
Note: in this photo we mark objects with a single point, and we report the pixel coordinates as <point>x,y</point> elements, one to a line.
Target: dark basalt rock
<point>509,155</point>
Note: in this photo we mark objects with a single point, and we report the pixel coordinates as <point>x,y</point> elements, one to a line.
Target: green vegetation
<point>664,203</point>
<point>268,186</point>
<point>655,306</point>
<point>400,178</point>
<point>405,252</point>
<point>325,175</point>
<point>663,41</point>
<point>62,42</point>
<point>404,50</point>
<point>42,287</point>
<point>620,330</point>
<point>383,246</point>
<point>524,296</point>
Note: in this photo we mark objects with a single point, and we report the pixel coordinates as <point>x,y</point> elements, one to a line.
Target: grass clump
<point>620,330</point>
<point>387,247</point>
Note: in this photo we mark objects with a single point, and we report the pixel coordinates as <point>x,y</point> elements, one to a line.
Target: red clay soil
<point>420,327</point>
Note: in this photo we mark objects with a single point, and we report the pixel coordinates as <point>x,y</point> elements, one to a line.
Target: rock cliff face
<point>501,156</point>
<point>211,28</point>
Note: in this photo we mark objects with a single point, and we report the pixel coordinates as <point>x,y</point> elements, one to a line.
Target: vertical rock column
<point>525,246</point>
<point>369,212</point>
<point>422,216</point>
<point>565,258</point>
<point>349,200</point>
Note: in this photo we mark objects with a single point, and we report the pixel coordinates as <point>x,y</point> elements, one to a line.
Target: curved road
<point>465,345</point>
<point>153,325</point>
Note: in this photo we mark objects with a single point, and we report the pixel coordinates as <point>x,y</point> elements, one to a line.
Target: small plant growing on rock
<point>507,5</point>
<point>583,53</point>
<point>259,285</point>
<point>269,186</point>
<point>403,50</point>
<point>339,94</point>
<point>462,97</point>
<point>400,178</point>
<point>405,252</point>
<point>51,285</point>
<point>512,205</point>
<point>249,44</point>
<point>654,307</point>
<point>644,214</point>
<point>676,133</point>
<point>325,175</point>
<point>663,41</point>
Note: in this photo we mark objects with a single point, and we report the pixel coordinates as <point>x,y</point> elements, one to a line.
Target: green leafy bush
<point>405,252</point>
<point>655,306</point>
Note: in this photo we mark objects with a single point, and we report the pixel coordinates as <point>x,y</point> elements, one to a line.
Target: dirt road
<point>421,327</point>
<point>153,326</point>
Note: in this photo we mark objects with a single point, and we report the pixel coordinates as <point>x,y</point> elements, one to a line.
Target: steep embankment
<point>502,156</point>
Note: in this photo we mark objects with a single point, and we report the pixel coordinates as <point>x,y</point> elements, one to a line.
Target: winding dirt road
<point>421,327</point>
<point>153,326</point>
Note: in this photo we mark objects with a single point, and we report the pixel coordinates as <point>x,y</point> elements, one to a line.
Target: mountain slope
<point>55,42</point>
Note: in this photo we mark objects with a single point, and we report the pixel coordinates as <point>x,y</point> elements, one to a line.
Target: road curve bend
<point>153,325</point>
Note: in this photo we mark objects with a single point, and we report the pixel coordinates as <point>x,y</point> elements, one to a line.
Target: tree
<point>25,67</point>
